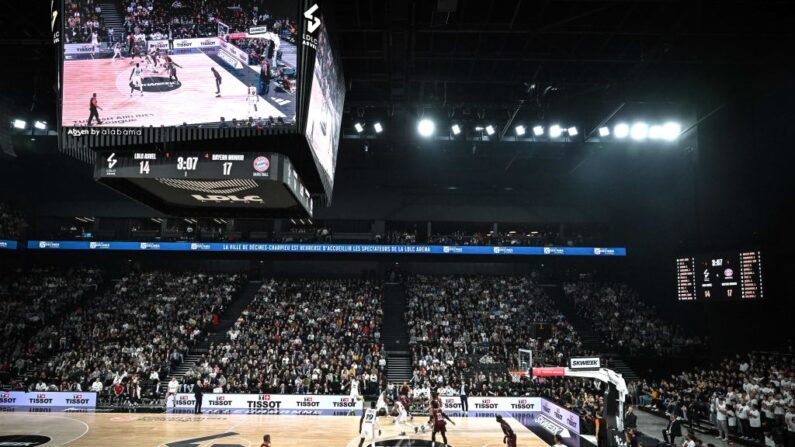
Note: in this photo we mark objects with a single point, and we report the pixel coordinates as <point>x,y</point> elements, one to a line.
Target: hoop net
<point>516,375</point>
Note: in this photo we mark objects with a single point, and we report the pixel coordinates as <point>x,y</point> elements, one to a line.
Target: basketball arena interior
<point>349,223</point>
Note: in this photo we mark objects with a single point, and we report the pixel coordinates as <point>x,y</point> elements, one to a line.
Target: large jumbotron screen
<point>174,62</point>
<point>327,98</point>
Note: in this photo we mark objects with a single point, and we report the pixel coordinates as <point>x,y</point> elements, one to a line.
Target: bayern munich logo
<point>261,164</point>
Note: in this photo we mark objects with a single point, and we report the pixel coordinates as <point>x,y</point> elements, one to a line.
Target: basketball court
<point>190,100</point>
<point>222,430</point>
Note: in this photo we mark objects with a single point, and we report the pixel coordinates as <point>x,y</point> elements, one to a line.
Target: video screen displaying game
<point>326,102</point>
<point>141,63</point>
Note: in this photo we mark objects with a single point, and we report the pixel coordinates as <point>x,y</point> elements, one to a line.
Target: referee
<point>198,393</point>
<point>92,108</point>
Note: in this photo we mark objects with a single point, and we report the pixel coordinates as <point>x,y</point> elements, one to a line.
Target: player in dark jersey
<point>266,441</point>
<point>434,399</point>
<point>217,82</point>
<point>510,436</point>
<point>439,425</point>
<point>171,66</point>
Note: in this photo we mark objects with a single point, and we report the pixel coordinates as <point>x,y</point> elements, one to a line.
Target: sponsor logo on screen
<point>150,246</point>
<point>98,245</point>
<point>49,244</point>
<point>23,440</point>
<point>77,399</point>
<point>344,402</point>
<point>40,398</point>
<point>523,404</point>
<point>313,22</point>
<point>219,401</point>
<point>261,164</point>
<point>585,363</point>
<point>485,404</point>
<point>553,251</point>
<point>452,403</point>
<point>264,401</point>
<point>199,246</point>
<point>307,402</point>
<point>5,398</point>
<point>227,199</point>
<point>77,132</point>
<point>157,84</point>
<point>550,426</point>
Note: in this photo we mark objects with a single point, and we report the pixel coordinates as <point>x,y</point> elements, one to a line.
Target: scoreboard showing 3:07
<point>729,276</point>
<point>197,183</point>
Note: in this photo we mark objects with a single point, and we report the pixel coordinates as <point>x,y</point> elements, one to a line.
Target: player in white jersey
<point>355,388</point>
<point>136,80</point>
<point>252,99</point>
<point>369,426</point>
<point>403,417</point>
<point>116,51</point>
<point>173,388</point>
<point>382,403</point>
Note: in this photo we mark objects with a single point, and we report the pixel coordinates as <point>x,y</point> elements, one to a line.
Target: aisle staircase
<point>244,297</point>
<point>112,19</point>
<point>395,334</point>
<point>591,341</point>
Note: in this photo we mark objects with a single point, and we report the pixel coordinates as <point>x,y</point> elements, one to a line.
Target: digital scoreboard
<point>207,183</point>
<point>726,276</point>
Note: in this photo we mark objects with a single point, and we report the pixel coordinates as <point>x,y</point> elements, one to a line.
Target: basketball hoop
<point>516,375</point>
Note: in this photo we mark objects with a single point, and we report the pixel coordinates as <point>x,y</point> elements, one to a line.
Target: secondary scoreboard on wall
<point>725,276</point>
<point>214,184</point>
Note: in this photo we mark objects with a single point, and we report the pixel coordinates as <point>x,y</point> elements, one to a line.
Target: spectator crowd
<point>301,337</point>
<point>626,322</point>
<point>470,328</point>
<point>12,223</point>
<point>135,332</point>
<point>748,397</point>
<point>31,301</point>
<point>169,19</point>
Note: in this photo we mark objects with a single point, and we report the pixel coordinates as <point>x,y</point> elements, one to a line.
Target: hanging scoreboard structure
<point>207,184</point>
<point>203,97</point>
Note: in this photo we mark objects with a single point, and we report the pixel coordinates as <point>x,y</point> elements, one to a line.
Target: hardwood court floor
<point>167,430</point>
<point>193,102</point>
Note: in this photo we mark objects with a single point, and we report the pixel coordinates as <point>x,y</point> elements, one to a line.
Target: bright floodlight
<point>426,127</point>
<point>20,124</point>
<point>621,130</point>
<point>490,129</point>
<point>639,131</point>
<point>378,128</point>
<point>572,131</point>
<point>41,125</point>
<point>604,131</point>
<point>538,131</point>
<point>456,129</point>
<point>359,128</point>
<point>671,131</point>
<point>555,131</point>
<point>656,132</point>
<point>520,130</point>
